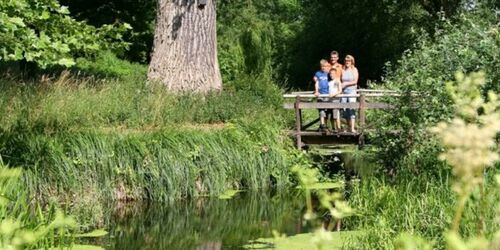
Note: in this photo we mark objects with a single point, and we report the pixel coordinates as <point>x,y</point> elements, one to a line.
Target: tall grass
<point>420,205</point>
<point>160,165</point>
<point>81,138</point>
<point>68,102</point>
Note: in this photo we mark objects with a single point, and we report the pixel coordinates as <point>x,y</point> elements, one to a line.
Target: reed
<point>122,139</point>
<point>421,206</point>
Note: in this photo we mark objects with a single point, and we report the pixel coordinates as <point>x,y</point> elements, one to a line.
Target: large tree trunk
<point>184,56</point>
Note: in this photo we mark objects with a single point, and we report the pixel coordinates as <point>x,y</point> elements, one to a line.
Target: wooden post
<point>362,119</point>
<point>301,120</point>
<point>362,112</point>
<point>298,120</point>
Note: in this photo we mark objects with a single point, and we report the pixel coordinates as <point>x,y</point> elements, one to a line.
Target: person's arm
<point>356,76</point>
<point>316,86</point>
<point>339,87</point>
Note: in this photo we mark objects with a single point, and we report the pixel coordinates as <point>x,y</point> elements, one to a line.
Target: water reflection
<point>203,224</point>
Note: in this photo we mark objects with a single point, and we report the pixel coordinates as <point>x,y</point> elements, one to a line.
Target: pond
<point>204,223</point>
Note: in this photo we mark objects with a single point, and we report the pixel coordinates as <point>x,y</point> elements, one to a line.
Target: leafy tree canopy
<point>42,31</point>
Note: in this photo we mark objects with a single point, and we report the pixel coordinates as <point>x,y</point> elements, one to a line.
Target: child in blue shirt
<point>321,87</point>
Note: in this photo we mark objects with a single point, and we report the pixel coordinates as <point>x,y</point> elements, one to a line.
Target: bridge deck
<point>306,100</point>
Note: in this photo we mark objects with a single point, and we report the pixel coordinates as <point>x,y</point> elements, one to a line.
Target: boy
<point>321,87</point>
<point>335,87</point>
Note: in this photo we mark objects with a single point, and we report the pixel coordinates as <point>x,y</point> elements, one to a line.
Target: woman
<point>349,85</point>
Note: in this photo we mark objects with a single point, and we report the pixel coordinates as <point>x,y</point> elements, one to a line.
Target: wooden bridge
<point>366,99</point>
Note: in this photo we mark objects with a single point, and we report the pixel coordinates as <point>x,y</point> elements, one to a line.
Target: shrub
<point>469,45</point>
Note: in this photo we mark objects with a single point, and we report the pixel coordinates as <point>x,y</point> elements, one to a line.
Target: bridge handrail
<point>306,100</point>
<point>365,92</point>
<point>339,95</point>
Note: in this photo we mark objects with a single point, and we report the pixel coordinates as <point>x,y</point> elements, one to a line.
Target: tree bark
<point>184,56</point>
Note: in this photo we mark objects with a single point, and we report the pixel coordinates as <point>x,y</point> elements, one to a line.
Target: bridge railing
<point>307,100</point>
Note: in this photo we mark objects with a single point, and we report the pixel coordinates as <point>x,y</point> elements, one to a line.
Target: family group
<point>334,79</point>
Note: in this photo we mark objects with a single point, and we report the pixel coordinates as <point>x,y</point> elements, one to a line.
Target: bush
<point>469,45</point>
<point>106,64</point>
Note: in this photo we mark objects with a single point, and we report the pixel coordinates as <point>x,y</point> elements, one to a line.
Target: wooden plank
<point>298,118</point>
<point>302,92</point>
<point>314,96</point>
<point>340,95</point>
<point>310,124</point>
<point>359,91</point>
<point>362,112</point>
<point>323,133</point>
<point>330,139</point>
<point>301,119</point>
<point>337,105</point>
<point>376,91</point>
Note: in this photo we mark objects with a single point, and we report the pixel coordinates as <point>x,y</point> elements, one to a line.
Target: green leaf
<point>81,247</point>
<point>323,185</point>
<point>127,26</point>
<point>300,241</point>
<point>228,194</point>
<point>17,21</point>
<point>67,62</point>
<point>45,15</point>
<point>94,234</point>
<point>63,10</point>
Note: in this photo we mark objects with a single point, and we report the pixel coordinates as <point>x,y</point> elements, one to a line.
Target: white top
<point>333,86</point>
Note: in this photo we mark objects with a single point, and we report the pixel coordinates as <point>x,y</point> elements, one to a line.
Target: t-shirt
<point>339,67</point>
<point>333,86</point>
<point>322,82</point>
<point>348,76</point>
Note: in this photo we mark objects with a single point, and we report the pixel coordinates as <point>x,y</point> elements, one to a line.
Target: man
<point>334,61</point>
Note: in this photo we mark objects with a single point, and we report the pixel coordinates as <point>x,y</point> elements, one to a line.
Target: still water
<point>204,224</point>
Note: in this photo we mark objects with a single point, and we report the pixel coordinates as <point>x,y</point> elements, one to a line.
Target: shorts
<point>335,112</point>
<point>349,113</point>
<point>325,113</point>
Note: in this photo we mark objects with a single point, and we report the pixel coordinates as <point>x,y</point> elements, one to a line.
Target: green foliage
<point>19,229</point>
<point>468,45</point>
<point>140,14</point>
<point>42,31</point>
<point>107,65</point>
<point>422,207</point>
<point>302,241</point>
<point>61,129</point>
<point>437,210</point>
<point>70,101</point>
<point>374,32</point>
<point>157,165</point>
<point>254,36</point>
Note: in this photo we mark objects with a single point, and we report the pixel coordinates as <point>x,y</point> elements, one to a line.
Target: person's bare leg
<point>352,122</point>
<point>337,124</point>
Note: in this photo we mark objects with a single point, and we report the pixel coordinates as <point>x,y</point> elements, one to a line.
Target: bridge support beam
<point>362,120</point>
<point>298,122</point>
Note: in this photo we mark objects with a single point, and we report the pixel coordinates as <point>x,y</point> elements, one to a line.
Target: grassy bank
<point>159,165</point>
<point>81,137</point>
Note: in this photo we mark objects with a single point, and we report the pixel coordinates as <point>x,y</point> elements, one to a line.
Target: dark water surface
<point>205,223</point>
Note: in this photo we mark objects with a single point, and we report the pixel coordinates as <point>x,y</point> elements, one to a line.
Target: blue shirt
<point>323,82</point>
